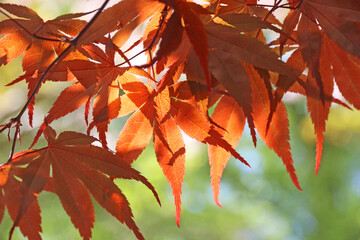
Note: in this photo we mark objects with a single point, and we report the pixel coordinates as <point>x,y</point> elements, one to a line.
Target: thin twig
<point>27,31</point>
<point>161,22</point>
<point>88,25</point>
<point>17,132</point>
<point>271,6</point>
<point>268,14</point>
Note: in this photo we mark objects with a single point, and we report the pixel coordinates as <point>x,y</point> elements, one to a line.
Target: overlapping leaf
<point>339,21</point>
<point>12,198</point>
<point>78,168</point>
<point>230,117</point>
<point>168,116</point>
<point>276,137</point>
<point>169,148</point>
<point>31,35</point>
<point>227,63</point>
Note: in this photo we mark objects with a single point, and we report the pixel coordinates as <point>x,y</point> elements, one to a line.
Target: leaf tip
<point>317,164</point>
<point>218,203</point>
<point>296,181</point>
<point>177,220</point>
<point>319,149</point>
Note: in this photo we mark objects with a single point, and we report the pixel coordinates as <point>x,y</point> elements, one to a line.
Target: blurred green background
<point>260,203</point>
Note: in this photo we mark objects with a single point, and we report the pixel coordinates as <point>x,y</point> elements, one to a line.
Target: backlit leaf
<point>229,116</point>
<point>277,136</point>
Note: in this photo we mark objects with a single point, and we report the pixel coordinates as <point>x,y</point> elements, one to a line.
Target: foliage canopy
<point>199,57</point>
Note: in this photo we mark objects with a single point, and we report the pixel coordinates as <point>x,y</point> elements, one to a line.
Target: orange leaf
<point>319,110</point>
<point>29,219</point>
<point>172,162</point>
<point>251,1</point>
<point>195,124</point>
<point>136,134</point>
<point>38,53</point>
<point>135,90</point>
<point>109,196</point>
<point>190,120</point>
<point>69,100</point>
<point>288,27</point>
<point>119,15</point>
<point>77,167</point>
<point>277,137</point>
<point>248,23</point>
<point>346,70</point>
<point>193,69</point>
<point>76,199</point>
<point>106,107</point>
<point>169,148</point>
<point>16,40</point>
<point>230,117</point>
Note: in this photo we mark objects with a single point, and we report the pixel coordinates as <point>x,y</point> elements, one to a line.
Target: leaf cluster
<point>198,57</point>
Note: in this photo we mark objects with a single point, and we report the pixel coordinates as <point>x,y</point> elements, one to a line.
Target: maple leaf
<point>185,18</point>
<point>227,68</point>
<point>78,168</point>
<point>135,135</point>
<point>196,33</point>
<point>277,136</point>
<point>168,115</point>
<point>12,198</point>
<point>233,77</point>
<point>248,23</point>
<point>230,117</point>
<point>137,132</point>
<point>245,48</point>
<point>346,70</point>
<point>106,103</point>
<point>96,79</point>
<point>197,126</point>
<point>40,50</point>
<point>318,106</point>
<point>196,82</point>
<point>309,37</point>
<point>171,37</point>
<point>338,20</point>
<point>319,111</point>
<point>283,83</point>
<point>169,148</point>
<point>118,16</point>
<point>16,39</point>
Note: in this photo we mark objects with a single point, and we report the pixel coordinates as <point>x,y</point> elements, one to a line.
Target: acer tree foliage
<point>199,57</point>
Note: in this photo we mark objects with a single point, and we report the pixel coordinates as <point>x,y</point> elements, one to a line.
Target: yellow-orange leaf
<point>230,117</point>
<point>136,134</point>
<point>277,136</point>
